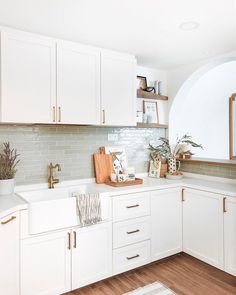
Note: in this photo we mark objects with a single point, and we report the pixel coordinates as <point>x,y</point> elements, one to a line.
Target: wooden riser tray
<point>125,183</point>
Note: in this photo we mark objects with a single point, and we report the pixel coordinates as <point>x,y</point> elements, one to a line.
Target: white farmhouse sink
<point>52,209</point>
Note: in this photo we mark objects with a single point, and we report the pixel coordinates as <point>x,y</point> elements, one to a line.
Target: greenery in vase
<point>166,151</point>
<point>8,162</point>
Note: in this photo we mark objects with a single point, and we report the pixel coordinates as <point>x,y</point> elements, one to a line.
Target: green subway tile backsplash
<point>210,169</point>
<point>72,147</point>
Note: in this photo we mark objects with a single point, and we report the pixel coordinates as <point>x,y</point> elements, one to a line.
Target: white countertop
<point>12,203</point>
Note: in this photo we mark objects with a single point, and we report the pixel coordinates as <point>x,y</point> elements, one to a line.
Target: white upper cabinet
<point>203,226</point>
<point>230,235</point>
<point>9,255</point>
<point>46,80</point>
<point>78,84</point>
<point>27,78</point>
<point>166,223</point>
<point>118,76</point>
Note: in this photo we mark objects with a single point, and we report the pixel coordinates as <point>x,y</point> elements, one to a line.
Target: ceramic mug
<point>122,177</point>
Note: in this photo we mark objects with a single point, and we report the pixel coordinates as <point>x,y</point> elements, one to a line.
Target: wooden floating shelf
<point>209,161</point>
<point>152,125</point>
<point>150,95</point>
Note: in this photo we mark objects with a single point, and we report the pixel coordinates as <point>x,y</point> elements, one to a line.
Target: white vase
<point>7,186</point>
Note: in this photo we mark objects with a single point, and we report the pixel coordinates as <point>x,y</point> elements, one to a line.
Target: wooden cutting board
<point>103,167</point>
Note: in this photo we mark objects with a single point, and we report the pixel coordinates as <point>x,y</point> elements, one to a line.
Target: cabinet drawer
<point>131,206</point>
<point>131,231</point>
<point>130,257</point>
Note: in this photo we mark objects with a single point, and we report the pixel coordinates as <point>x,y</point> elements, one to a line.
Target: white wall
<point>177,77</point>
<point>203,110</point>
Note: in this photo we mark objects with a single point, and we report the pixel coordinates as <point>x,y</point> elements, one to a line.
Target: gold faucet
<point>51,179</point>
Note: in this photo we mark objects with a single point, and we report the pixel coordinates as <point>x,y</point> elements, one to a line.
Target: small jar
<point>130,172</point>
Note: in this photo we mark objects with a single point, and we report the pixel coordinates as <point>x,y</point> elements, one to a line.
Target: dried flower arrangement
<point>8,162</point>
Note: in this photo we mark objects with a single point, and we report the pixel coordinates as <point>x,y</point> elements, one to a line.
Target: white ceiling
<point>147,28</point>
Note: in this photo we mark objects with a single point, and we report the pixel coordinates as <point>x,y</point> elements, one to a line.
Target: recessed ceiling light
<point>189,26</point>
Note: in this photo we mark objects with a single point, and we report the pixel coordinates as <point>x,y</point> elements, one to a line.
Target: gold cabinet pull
<point>75,239</point>
<point>103,117</point>
<point>132,232</point>
<point>69,243</point>
<point>224,205</point>
<point>54,114</point>
<point>132,257</point>
<point>8,220</point>
<point>59,114</point>
<point>182,195</point>
<point>132,206</point>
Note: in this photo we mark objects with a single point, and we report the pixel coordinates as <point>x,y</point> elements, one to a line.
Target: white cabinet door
<point>27,78</point>
<point>9,255</point>
<point>166,223</point>
<point>78,84</point>
<point>91,254</point>
<point>45,264</point>
<point>230,236</point>
<point>203,226</point>
<point>118,89</point>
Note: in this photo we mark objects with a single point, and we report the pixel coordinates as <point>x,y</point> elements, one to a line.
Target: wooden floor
<point>181,273</point>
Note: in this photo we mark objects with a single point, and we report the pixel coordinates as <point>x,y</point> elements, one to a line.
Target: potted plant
<point>171,152</point>
<point>8,163</point>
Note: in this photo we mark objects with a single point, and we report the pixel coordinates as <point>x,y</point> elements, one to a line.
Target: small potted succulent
<point>171,153</point>
<point>8,163</point>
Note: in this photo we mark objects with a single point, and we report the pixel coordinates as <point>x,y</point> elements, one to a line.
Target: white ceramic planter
<point>7,186</point>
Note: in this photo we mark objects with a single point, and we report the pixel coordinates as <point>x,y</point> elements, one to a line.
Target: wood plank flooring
<point>182,273</point>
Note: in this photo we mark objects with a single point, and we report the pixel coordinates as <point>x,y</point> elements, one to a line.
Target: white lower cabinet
<point>230,235</point>
<point>146,227</point>
<point>91,254</point>
<point>45,264</point>
<point>130,257</point>
<point>166,223</point>
<point>203,226</point>
<point>58,262</point>
<point>9,254</point>
<point>131,231</point>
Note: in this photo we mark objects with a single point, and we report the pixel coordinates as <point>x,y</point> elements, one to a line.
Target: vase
<point>173,165</point>
<point>7,186</point>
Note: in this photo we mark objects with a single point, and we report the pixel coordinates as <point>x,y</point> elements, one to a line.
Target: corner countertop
<point>12,203</point>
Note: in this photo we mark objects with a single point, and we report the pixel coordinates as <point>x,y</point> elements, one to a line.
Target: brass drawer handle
<point>224,205</point>
<point>75,239</point>
<point>69,243</point>
<point>9,220</point>
<point>54,114</point>
<point>132,206</point>
<point>133,257</point>
<point>103,117</point>
<point>133,232</point>
<point>182,195</point>
<point>59,115</point>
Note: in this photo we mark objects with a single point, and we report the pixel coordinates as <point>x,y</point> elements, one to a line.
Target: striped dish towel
<point>88,208</point>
